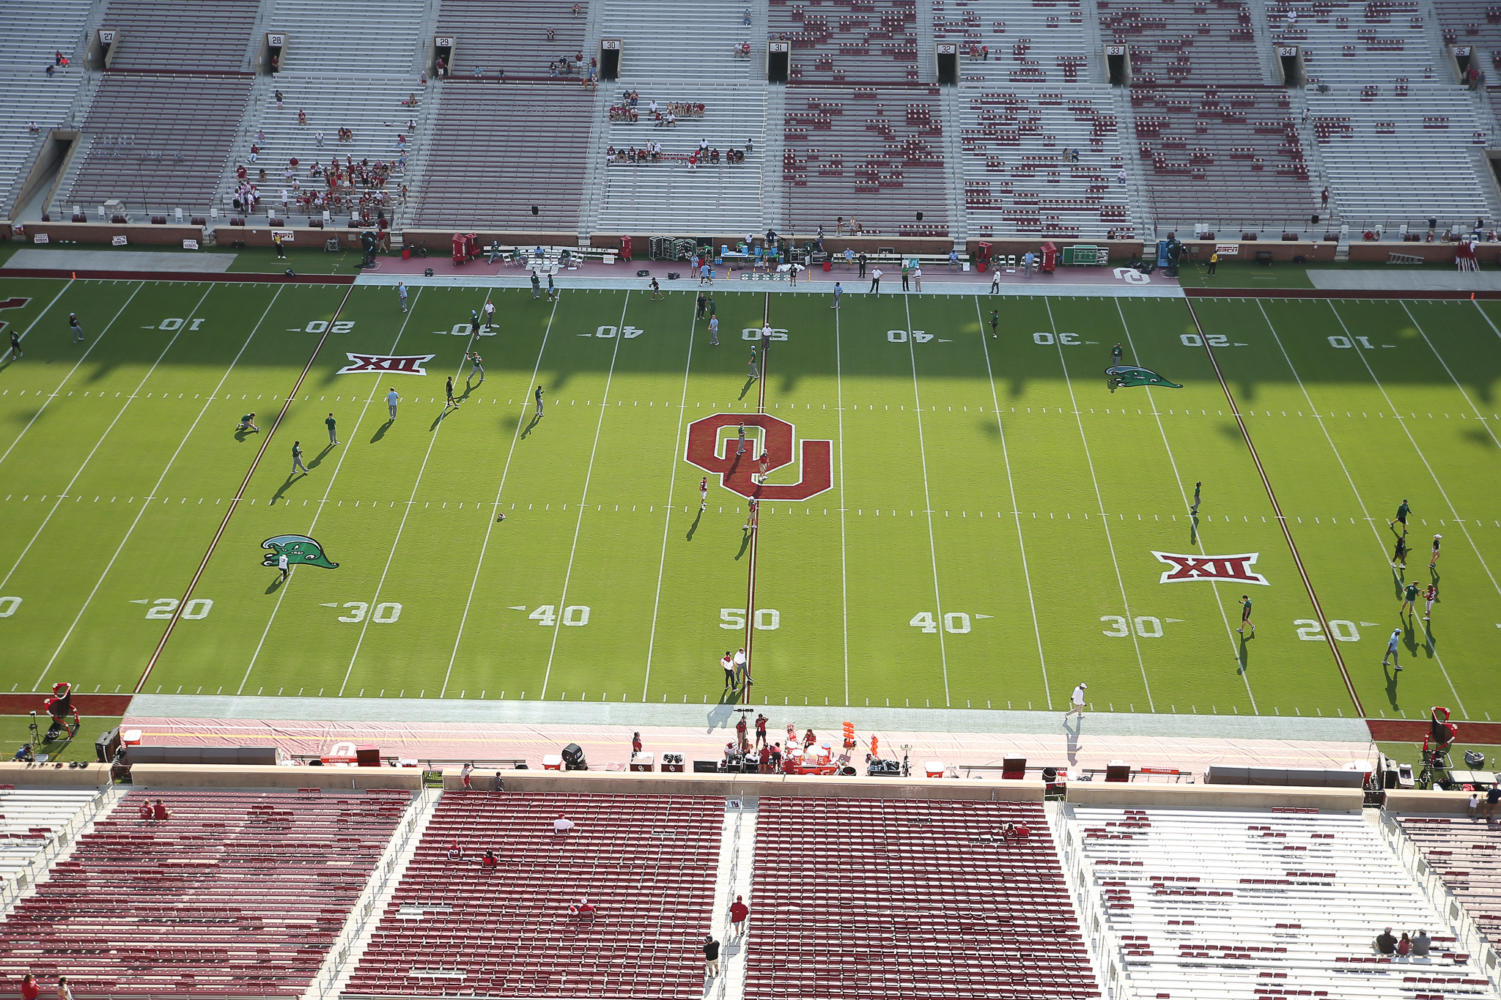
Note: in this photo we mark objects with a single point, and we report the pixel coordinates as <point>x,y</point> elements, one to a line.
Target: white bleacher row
<point>1392,159</point>
<point>357,38</point>
<point>1462,852</point>
<point>511,35</point>
<point>1030,43</point>
<point>1476,23</point>
<point>33,33</point>
<point>670,196</point>
<point>373,108</point>
<point>34,825</point>
<point>1173,43</point>
<point>1351,43</point>
<point>1016,177</point>
<point>657,42</point>
<point>1251,905</point>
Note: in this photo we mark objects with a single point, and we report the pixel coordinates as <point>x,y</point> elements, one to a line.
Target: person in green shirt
<point>1409,598</point>
<point>1245,615</point>
<point>333,429</point>
<point>995,321</point>
<point>247,423</point>
<point>1402,511</point>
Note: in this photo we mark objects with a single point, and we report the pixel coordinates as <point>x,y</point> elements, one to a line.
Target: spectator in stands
<point>562,824</point>
<point>50,69</point>
<point>440,68</point>
<point>1474,805</point>
<point>1404,946</point>
<point>711,955</point>
<point>1421,942</point>
<point>455,851</point>
<point>30,988</point>
<point>738,912</point>
<point>465,775</point>
<point>1386,944</point>
<point>489,860</point>
<point>64,991</point>
<point>498,783</point>
<point>1492,796</point>
<point>551,34</point>
<point>301,117</point>
<point>583,908</point>
<point>278,99</point>
<point>33,127</point>
<point>145,810</point>
<point>159,812</point>
<point>1324,197</point>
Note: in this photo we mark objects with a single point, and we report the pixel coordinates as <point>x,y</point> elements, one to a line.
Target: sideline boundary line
<point>234,501</point>
<point>1266,484</point>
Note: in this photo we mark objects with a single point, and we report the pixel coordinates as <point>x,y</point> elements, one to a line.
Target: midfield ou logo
<point>1235,569</point>
<point>736,472</point>
<point>406,364</point>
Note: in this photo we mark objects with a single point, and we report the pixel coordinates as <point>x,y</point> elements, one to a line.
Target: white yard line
<point>145,503</point>
<point>927,502</point>
<point>1360,501</point>
<point>1422,457</point>
<point>1457,384</point>
<point>1183,492</point>
<point>844,573</point>
<point>1021,546</point>
<point>396,542</point>
<point>1485,316</point>
<point>82,358</point>
<point>578,525</point>
<point>130,398</point>
<point>495,506</point>
<point>1100,498</point>
<point>672,472</point>
<point>281,591</point>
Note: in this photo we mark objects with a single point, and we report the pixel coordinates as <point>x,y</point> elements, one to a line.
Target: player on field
<point>656,290</point>
<point>751,369</point>
<point>728,663</point>
<point>838,291</point>
<point>1116,354</point>
<point>333,429</point>
<point>297,457</point>
<point>1195,508</point>
<point>1391,648</point>
<point>76,327</point>
<point>489,312</point>
<point>15,345</point>
<point>1409,598</point>
<point>713,331</point>
<point>473,323</point>
<point>752,514</point>
<point>538,394</point>
<point>478,365</point>
<point>552,289</point>
<point>1429,596</point>
<point>740,441</point>
<point>700,304</point>
<point>765,337</point>
<point>1399,553</point>
<point>1433,559</point>
<point>1245,615</point>
<point>448,391</point>
<point>995,322</point>
<point>247,423</point>
<point>1403,509</point>
<point>703,493</point>
<point>765,461</point>
<point>401,292</point>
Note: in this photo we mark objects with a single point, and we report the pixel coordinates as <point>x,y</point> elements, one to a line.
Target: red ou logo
<point>778,438</point>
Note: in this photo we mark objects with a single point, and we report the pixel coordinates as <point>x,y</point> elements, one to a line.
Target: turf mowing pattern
<point>987,539</point>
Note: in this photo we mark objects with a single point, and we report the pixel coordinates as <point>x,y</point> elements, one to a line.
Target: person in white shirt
<point>1078,701</point>
<point>562,824</point>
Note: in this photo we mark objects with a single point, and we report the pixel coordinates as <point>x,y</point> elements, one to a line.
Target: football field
<point>949,518</point>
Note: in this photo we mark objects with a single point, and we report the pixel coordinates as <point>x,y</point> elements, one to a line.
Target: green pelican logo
<point>300,550</point>
<point>1126,376</point>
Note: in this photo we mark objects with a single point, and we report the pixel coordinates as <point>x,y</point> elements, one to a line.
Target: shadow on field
<point>320,456</point>
<point>693,528</point>
<point>380,431</point>
<point>1391,687</point>
<point>282,490</point>
<point>1243,658</point>
<point>745,540</point>
<point>722,715</point>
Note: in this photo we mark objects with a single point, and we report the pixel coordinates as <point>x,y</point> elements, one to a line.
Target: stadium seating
<point>353,39</point>
<point>186,36</point>
<point>873,153</point>
<point>647,862</point>
<point>237,894</point>
<point>1229,157</point>
<point>1040,42</point>
<point>482,178</point>
<point>682,39</point>
<point>511,35</point>
<point>1476,23</point>
<point>668,195</point>
<point>849,41</point>
<point>1287,904</point>
<point>1175,43</point>
<point>1016,176</point>
<point>33,34</point>
<point>1349,44</point>
<point>869,898</point>
<point>1463,852</point>
<point>34,823</point>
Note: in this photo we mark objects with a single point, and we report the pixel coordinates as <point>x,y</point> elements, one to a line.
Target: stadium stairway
<point>953,142</point>
<point>737,859</point>
<point>344,955</point>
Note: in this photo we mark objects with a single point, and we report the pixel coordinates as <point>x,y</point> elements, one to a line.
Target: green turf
<point>15,730</point>
<point>961,558</point>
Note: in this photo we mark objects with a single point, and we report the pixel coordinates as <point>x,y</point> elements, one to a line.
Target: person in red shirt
<point>765,756</point>
<point>761,721</point>
<point>583,908</point>
<point>738,912</point>
<point>489,860</point>
<point>159,812</point>
<point>809,739</point>
<point>145,810</point>
<point>740,741</point>
<point>635,744</point>
<point>30,988</point>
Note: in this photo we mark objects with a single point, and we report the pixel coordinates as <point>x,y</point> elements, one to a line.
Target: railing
<point>1468,936</point>
<point>50,849</point>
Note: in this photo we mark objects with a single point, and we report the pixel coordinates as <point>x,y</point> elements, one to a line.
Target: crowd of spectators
<point>628,109</point>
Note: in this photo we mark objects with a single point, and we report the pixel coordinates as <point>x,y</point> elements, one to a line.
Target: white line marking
<point>922,455</point>
<point>1021,546</point>
<point>1183,492</point>
<point>1418,326</point>
<point>84,357</point>
<point>89,457</point>
<point>181,443</point>
<point>672,473</point>
<point>1100,498</point>
<point>494,507</point>
<point>584,498</point>
<point>1375,533</point>
<point>281,592</point>
<point>844,590</point>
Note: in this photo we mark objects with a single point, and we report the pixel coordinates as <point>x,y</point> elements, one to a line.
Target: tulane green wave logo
<point>300,550</point>
<point>1126,376</point>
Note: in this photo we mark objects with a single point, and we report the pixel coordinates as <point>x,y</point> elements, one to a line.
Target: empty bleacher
<point>647,862</point>
<point>185,36</point>
<point>1476,23</point>
<point>512,35</point>
<point>868,898</point>
<point>872,153</point>
<point>668,195</point>
<point>1037,42</point>
<point>1230,157</point>
<point>354,40</point>
<point>1286,904</point>
<point>482,178</point>
<point>1349,44</point>
<point>34,33</point>
<point>34,825</point>
<point>1464,853</point>
<point>1017,178</point>
<point>674,39</point>
<point>848,41</point>
<point>238,893</point>
<point>1174,43</point>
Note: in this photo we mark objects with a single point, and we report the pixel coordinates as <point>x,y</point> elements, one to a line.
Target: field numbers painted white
<point>324,326</point>
<point>9,606</point>
<point>1047,338</point>
<point>1147,626</point>
<point>1212,339</point>
<point>954,622</point>
<point>766,619</point>
<point>754,333</point>
<point>1341,341</point>
<point>1310,630</point>
<point>386,613</point>
<point>172,323</point>
<point>625,332</point>
<point>900,336</point>
<point>195,610</point>
<point>462,330</point>
<point>573,615</point>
